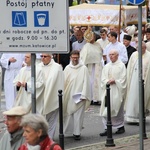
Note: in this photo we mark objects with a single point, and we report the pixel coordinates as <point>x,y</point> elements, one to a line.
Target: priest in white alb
<point>23,84</point>
<point>12,62</point>
<point>53,81</point>
<point>132,98</point>
<point>91,56</point>
<point>77,95</point>
<point>114,74</point>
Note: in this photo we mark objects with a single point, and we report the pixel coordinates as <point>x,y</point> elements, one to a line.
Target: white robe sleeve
<point>123,54</point>
<point>4,61</point>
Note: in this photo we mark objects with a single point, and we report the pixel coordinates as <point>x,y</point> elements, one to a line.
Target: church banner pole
<point>120,8</point>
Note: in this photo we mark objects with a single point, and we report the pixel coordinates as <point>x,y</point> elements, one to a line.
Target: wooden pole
<point>120,8</point>
<point>58,58</point>
<point>147,10</point>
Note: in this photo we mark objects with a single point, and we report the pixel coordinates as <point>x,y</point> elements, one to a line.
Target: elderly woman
<point>35,132</point>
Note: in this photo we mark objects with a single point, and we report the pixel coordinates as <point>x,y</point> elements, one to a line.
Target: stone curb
<point>120,143</point>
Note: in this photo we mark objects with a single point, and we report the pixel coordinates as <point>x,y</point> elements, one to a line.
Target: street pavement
<point>90,139</point>
<point>125,143</point>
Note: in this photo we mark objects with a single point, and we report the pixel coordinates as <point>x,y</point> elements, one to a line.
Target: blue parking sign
<point>19,19</point>
<point>41,19</point>
<point>136,2</point>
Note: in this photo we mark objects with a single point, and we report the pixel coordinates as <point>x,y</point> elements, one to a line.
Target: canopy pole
<point>120,7</point>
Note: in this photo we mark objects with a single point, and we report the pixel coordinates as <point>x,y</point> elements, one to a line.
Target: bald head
<point>113,55</point>
<point>113,28</point>
<point>28,59</point>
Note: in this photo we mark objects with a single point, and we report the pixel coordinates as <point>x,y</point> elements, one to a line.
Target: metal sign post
<point>33,82</point>
<point>140,76</point>
<point>139,2</point>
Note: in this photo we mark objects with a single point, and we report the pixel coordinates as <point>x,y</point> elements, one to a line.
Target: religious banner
<point>103,15</point>
<point>131,15</point>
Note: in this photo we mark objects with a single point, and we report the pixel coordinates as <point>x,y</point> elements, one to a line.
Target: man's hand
<point>19,84</point>
<point>12,60</point>
<point>23,84</point>
<point>111,81</point>
<point>104,58</point>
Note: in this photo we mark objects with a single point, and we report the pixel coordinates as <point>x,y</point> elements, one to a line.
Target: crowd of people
<point>94,61</point>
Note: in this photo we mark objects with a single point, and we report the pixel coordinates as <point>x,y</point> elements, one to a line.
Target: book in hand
<point>77,98</point>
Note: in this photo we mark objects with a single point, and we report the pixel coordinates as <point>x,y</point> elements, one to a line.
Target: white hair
<point>36,122</point>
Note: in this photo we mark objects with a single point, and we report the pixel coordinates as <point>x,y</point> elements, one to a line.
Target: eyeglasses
<point>43,56</point>
<point>75,57</point>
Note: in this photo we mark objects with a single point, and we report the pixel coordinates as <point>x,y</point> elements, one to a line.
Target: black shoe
<point>120,130</point>
<point>77,137</point>
<point>133,123</point>
<point>103,133</point>
<point>96,103</point>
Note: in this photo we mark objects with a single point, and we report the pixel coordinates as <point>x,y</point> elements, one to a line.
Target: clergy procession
<point>94,61</point>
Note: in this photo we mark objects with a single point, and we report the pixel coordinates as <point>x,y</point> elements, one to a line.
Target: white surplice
<point>103,43</point>
<point>120,48</point>
<point>53,81</point>
<point>23,97</point>
<point>76,97</point>
<point>91,56</point>
<point>78,46</point>
<point>116,71</point>
<point>11,71</point>
<point>132,98</point>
